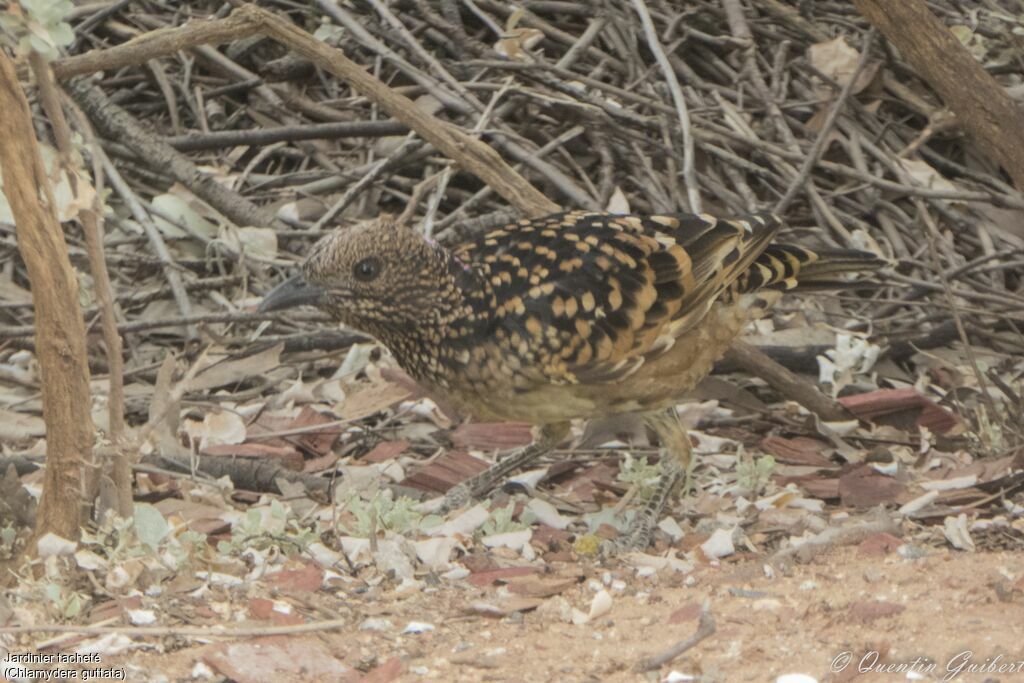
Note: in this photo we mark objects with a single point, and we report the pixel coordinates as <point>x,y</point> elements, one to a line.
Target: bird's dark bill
<point>292,292</point>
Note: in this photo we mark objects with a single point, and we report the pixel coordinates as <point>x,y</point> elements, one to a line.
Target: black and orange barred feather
<point>571,315</point>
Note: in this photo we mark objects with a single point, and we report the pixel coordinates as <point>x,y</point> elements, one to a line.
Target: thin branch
<point>814,153</point>
<point>689,169</point>
<point>706,628</point>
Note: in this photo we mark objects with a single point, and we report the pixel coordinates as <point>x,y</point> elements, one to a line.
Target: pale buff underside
<point>658,383</point>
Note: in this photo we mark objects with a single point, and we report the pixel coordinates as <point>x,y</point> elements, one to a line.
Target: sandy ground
<point>945,616</point>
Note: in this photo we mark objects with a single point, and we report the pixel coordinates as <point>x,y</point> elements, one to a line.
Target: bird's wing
<point>587,297</point>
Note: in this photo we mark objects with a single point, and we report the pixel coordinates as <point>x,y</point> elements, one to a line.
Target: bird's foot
<point>481,484</point>
<point>457,497</point>
<point>638,536</point>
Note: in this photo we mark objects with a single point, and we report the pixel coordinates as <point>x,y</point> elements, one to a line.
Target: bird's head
<point>375,276</point>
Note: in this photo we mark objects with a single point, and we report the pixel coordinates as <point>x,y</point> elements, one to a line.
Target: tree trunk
<point>990,117</point>
<point>60,332</point>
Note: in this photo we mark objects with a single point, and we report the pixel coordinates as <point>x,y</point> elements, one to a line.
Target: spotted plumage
<point>574,315</point>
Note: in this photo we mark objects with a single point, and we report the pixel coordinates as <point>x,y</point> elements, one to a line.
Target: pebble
<point>374,624</point>
<point>418,627</point>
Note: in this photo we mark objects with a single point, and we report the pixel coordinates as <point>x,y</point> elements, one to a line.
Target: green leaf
<point>150,525</point>
<point>73,606</point>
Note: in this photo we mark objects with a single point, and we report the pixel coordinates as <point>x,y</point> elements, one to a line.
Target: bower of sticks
<point>216,493</point>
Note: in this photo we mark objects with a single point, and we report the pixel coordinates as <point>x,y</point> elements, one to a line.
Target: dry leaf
<point>370,397</point>
<point>223,427</point>
<point>837,60</point>
<point>219,373</point>
<point>926,176</point>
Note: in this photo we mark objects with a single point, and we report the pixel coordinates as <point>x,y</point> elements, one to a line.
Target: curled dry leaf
<point>223,427</point>
<point>515,42</point>
<point>837,60</point>
<point>956,532</point>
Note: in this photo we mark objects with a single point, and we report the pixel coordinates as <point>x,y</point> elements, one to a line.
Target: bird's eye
<point>367,269</point>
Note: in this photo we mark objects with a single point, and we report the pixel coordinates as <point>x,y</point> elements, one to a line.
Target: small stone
<point>873,575</point>
<point>418,627</point>
<point>374,624</point>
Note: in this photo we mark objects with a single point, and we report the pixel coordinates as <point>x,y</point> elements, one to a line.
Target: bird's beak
<point>294,291</point>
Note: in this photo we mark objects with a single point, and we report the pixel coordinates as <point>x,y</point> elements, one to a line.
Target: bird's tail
<point>786,266</point>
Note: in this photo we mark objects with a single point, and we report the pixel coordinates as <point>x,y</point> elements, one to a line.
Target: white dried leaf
<point>324,556</point>
<point>392,557</point>
<point>600,605</point>
<point>548,514</point>
<point>691,413</point>
<point>719,544</point>
<point>51,544</point>
<point>456,573</point>
<point>217,428</point>
<point>357,358</point>
<point>90,561</point>
<point>842,427</point>
<point>671,527</point>
<point>142,617</point>
<point>514,540</point>
<point>852,355</point>
<point>465,524</point>
<point>950,484</point>
<point>956,532</point>
<point>332,390</point>
<point>918,503</point>
<point>435,552</point>
<point>356,549</point>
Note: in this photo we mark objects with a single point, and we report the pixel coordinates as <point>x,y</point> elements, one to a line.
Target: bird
<point>575,315</point>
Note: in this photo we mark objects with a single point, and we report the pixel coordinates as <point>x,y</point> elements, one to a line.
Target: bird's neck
<point>455,311</point>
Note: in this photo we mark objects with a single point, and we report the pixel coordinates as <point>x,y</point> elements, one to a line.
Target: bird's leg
<point>474,487</point>
<point>676,460</point>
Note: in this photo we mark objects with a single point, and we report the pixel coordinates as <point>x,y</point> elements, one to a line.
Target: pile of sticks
<point>468,113</point>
